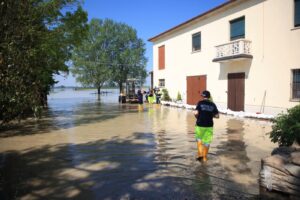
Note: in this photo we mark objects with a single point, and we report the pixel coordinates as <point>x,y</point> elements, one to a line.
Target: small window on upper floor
<point>297,13</point>
<point>296,84</point>
<point>196,41</point>
<point>161,83</point>
<point>237,28</point>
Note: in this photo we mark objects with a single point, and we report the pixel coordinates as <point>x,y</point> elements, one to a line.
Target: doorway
<point>236,91</point>
<point>195,86</point>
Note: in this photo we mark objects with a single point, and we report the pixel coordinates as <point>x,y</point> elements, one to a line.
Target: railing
<point>235,48</point>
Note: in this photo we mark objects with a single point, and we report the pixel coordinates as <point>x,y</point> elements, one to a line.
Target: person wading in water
<point>205,111</point>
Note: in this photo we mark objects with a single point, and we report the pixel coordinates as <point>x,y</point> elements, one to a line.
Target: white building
<point>245,52</point>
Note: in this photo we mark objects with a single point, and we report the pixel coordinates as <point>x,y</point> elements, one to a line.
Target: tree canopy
<point>129,59</point>
<point>91,60</point>
<point>36,40</point>
<point>112,52</point>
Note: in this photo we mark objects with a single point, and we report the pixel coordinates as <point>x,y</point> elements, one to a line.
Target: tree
<point>36,40</point>
<point>111,53</point>
<point>91,60</point>
<point>129,56</point>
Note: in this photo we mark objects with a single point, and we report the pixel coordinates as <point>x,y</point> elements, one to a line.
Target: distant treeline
<point>83,88</point>
<point>89,88</point>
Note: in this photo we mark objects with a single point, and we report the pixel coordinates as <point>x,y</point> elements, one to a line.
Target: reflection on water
<point>89,149</point>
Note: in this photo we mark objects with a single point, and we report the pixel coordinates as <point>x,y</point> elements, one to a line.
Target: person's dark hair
<point>206,94</point>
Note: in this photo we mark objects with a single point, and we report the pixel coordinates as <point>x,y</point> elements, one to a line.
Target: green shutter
<point>237,28</point>
<point>196,41</point>
<point>297,12</point>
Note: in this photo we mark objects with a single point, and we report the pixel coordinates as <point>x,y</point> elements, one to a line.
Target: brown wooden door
<point>195,86</point>
<point>236,91</point>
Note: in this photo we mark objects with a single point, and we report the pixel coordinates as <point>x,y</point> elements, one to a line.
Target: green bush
<point>165,95</point>
<point>179,98</point>
<point>286,127</point>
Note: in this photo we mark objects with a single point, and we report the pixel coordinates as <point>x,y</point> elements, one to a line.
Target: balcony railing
<point>238,49</point>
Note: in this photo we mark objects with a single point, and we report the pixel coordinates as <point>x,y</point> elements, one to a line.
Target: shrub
<point>178,97</point>
<point>286,127</point>
<point>165,95</point>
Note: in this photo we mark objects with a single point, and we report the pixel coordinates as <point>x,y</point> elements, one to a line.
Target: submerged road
<point>85,149</point>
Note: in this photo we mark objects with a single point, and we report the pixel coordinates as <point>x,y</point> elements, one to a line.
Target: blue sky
<point>148,17</point>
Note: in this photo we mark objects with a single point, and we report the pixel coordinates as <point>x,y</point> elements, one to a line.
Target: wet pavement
<point>86,149</point>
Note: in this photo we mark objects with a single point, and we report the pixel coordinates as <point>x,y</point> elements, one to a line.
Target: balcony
<point>235,50</point>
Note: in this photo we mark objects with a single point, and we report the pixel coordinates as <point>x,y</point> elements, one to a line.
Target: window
<point>161,57</point>
<point>237,28</point>
<point>161,82</point>
<point>196,41</point>
<point>296,84</point>
<point>297,13</point>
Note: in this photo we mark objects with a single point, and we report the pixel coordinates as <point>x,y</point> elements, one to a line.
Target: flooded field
<point>89,149</point>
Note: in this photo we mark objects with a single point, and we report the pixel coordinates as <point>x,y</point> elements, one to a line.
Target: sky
<point>148,17</point>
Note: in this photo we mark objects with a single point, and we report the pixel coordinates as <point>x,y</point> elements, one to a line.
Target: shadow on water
<point>150,159</point>
<point>115,169</point>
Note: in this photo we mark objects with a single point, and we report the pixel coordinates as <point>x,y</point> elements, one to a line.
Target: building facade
<point>246,52</point>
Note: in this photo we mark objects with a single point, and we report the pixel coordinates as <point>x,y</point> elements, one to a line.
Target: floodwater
<point>88,149</point>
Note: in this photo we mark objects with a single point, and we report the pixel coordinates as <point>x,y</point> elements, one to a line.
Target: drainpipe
<point>151,78</point>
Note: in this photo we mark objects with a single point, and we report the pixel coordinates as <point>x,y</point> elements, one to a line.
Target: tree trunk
<point>43,98</point>
<point>45,101</point>
<point>99,92</point>
<point>120,87</point>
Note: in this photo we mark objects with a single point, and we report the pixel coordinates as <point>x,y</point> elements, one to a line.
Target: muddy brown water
<point>86,149</point>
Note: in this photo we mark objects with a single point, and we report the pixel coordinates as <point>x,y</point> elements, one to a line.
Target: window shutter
<point>297,13</point>
<point>161,57</point>
<point>237,28</point>
<point>196,41</point>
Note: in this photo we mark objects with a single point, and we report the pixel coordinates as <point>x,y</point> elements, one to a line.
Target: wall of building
<point>275,48</point>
